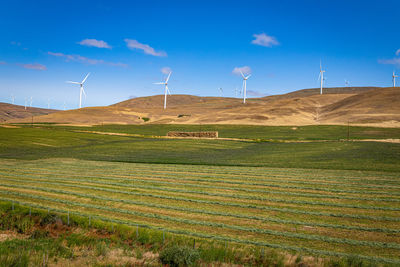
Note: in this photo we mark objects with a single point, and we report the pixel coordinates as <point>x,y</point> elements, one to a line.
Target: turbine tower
<point>12,99</point>
<point>31,102</point>
<point>346,83</point>
<point>81,90</point>
<point>166,89</point>
<point>321,76</point>
<point>221,91</point>
<point>244,86</point>
<point>394,76</point>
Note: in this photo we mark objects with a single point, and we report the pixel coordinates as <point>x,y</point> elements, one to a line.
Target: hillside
<point>363,105</point>
<point>10,111</point>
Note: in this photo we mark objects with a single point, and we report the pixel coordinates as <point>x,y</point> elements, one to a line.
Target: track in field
<point>317,211</point>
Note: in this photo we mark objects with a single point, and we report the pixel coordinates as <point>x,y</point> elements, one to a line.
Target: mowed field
<point>328,203</point>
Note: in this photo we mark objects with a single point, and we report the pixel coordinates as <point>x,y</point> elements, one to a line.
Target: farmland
<point>315,198</point>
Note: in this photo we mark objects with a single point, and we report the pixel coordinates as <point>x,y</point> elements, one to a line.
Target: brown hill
<point>364,105</point>
<point>10,111</point>
<point>378,105</point>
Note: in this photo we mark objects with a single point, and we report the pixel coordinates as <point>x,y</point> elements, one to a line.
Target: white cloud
<point>95,43</point>
<point>245,70</point>
<point>166,70</point>
<point>398,52</point>
<point>133,44</point>
<point>2,63</point>
<point>35,66</point>
<point>392,61</point>
<point>86,60</point>
<point>264,40</point>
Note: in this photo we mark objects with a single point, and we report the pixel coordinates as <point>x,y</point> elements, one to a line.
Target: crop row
<point>249,190</point>
<point>214,224</point>
<point>291,173</point>
<point>234,196</point>
<point>208,212</point>
<point>218,237</point>
<point>220,203</point>
<point>239,181</point>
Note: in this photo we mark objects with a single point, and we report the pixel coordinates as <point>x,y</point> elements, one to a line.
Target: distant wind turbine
<point>221,91</point>
<point>236,91</point>
<point>65,105</point>
<point>244,86</point>
<point>31,102</point>
<point>26,101</point>
<point>346,83</point>
<point>321,76</point>
<point>12,99</point>
<point>48,103</point>
<point>166,89</point>
<point>81,90</point>
<point>394,76</point>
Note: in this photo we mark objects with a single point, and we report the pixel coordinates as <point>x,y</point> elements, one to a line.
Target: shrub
<point>145,119</point>
<point>176,256</point>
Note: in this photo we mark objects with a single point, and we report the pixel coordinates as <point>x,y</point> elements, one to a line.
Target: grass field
<point>318,211</point>
<point>333,198</point>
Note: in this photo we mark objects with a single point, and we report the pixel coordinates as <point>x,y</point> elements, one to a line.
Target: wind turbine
<point>31,102</point>
<point>166,89</point>
<point>321,76</point>
<point>81,90</point>
<point>346,83</point>
<point>244,86</point>
<point>65,105</point>
<point>236,91</point>
<point>394,76</point>
<point>26,101</point>
<point>221,91</point>
<point>48,103</point>
<point>12,99</point>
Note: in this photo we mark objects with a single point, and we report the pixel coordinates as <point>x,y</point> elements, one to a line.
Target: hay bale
<point>208,134</point>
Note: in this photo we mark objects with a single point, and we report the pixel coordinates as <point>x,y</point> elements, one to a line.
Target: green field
<point>333,198</point>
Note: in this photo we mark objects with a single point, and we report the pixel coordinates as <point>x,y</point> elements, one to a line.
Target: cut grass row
<point>223,180</point>
<point>221,203</point>
<point>213,224</point>
<point>206,193</point>
<point>219,237</point>
<point>164,180</point>
<point>207,212</point>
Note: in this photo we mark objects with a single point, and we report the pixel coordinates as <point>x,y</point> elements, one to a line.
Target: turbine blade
<point>168,77</point>
<point>72,82</point>
<point>159,83</point>
<point>248,76</point>
<point>241,73</point>
<point>86,77</point>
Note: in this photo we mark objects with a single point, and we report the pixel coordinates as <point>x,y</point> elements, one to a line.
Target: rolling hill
<point>10,111</point>
<point>358,105</point>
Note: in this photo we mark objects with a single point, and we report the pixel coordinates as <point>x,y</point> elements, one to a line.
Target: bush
<point>145,119</point>
<point>176,256</point>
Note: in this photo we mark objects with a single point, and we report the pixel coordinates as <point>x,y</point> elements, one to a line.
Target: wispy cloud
<point>34,66</point>
<point>255,93</point>
<point>2,63</point>
<point>245,70</point>
<point>166,70</point>
<point>15,43</point>
<point>95,43</point>
<point>264,40</point>
<point>133,44</point>
<point>392,61</point>
<point>86,60</point>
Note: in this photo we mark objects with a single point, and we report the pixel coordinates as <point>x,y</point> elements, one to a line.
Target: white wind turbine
<point>221,91</point>
<point>26,101</point>
<point>321,76</point>
<point>81,90</point>
<point>394,76</point>
<point>31,102</point>
<point>244,86</point>
<point>346,83</point>
<point>12,99</point>
<point>166,89</point>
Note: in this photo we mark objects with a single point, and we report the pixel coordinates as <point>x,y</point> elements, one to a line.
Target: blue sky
<point>126,44</point>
